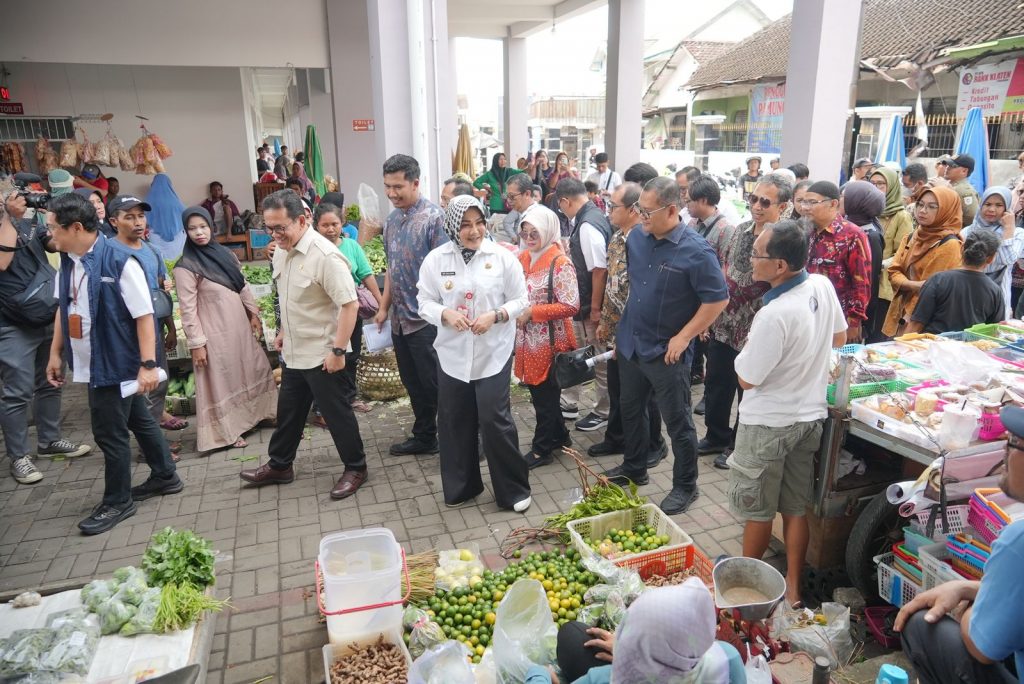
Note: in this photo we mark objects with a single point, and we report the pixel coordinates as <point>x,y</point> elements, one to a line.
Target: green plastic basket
<point>866,389</point>
<point>990,331</point>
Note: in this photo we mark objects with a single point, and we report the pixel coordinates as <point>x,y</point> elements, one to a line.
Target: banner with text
<point>995,88</point>
<point>764,125</point>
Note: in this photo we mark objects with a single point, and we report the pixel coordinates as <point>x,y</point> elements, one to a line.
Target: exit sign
<point>5,93</point>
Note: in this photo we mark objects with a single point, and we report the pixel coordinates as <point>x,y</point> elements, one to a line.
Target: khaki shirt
<point>313,281</point>
<point>968,200</point>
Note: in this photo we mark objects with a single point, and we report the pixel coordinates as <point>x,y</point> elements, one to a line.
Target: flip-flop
<point>361,407</point>
<point>174,424</point>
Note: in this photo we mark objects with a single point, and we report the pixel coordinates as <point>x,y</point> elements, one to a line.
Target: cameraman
<point>25,342</point>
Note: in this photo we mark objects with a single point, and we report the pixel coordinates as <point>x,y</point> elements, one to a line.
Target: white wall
<point>197,112</point>
<point>179,32</point>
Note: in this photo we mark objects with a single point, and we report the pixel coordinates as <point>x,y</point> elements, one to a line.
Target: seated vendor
<point>667,635</point>
<point>959,298</point>
<point>967,631</point>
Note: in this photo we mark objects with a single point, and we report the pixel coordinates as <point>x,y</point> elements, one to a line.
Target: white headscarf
<point>668,637</point>
<point>546,223</point>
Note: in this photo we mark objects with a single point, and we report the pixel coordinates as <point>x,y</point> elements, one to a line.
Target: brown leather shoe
<point>267,475</point>
<point>351,481</point>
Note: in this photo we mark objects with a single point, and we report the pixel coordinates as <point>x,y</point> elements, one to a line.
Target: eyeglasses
<point>613,206</point>
<point>529,236</point>
<point>928,207</point>
<point>512,196</point>
<point>279,230</point>
<point>646,215</point>
<point>763,201</point>
<point>812,203</point>
<point>880,184</point>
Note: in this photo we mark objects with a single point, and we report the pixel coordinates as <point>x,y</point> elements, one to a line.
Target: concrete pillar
<point>624,88</point>
<point>516,103</point>
<point>823,54</point>
<point>444,120</point>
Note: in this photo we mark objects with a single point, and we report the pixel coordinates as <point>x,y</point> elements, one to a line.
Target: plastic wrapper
<point>614,611</point>
<point>27,599</point>
<point>76,637</point>
<point>524,633</point>
<point>162,149</point>
<point>132,587</point>
<point>46,157</point>
<point>607,603</point>
<point>106,150</point>
<point>23,650</point>
<point>127,572</point>
<point>69,153</point>
<point>443,664</point>
<point>591,615</point>
<point>124,158</point>
<point>114,614</point>
<point>831,640</point>
<point>95,593</point>
<point>369,206</point>
<point>458,568</point>
<point>486,672</point>
<point>144,620</point>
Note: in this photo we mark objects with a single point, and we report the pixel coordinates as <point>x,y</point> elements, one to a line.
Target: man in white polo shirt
<point>783,370</point>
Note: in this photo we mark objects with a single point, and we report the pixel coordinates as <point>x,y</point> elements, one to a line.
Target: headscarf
<point>979,222</point>
<point>893,190</point>
<point>213,260</point>
<point>668,636</point>
<point>948,221</point>
<point>60,182</point>
<point>301,175</point>
<point>863,202</point>
<point>335,198</point>
<point>453,214</point>
<point>500,174</point>
<point>165,219</point>
<point>547,225</point>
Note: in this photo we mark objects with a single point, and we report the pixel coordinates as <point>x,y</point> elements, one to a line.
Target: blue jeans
<point>24,353</point>
<point>670,386</point>
<point>112,419</point>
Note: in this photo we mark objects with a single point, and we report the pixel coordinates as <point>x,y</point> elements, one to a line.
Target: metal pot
<point>753,574</point>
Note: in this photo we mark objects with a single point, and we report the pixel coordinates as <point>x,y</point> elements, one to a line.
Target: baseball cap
<point>90,172</point>
<point>60,182</point>
<point>965,161</point>
<point>944,159</point>
<point>863,161</point>
<point>126,202</point>
<point>1013,419</point>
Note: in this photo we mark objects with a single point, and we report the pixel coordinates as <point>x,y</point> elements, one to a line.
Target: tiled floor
<point>267,539</point>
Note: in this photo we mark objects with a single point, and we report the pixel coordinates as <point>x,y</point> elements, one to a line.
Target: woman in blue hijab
<point>994,214</point>
<point>164,220</point>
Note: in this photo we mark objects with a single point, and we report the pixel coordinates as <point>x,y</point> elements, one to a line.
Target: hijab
<point>668,637</point>
<point>979,222</point>
<point>863,202</point>
<point>301,175</point>
<point>893,191</point>
<point>500,173</point>
<point>457,208</point>
<point>546,223</point>
<point>213,260</point>
<point>165,219</point>
<point>335,198</point>
<point>948,221</point>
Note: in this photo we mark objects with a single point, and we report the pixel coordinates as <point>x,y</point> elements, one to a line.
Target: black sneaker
<point>699,408</point>
<point>65,448</point>
<point>591,422</point>
<point>106,517</point>
<point>605,448</point>
<point>658,456</point>
<point>722,460</point>
<point>622,477</point>
<point>412,447</point>
<point>567,442</point>
<point>679,499</point>
<point>704,448</point>
<point>534,460</point>
<point>157,487</point>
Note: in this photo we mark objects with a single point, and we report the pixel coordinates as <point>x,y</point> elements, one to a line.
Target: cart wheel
<point>877,528</point>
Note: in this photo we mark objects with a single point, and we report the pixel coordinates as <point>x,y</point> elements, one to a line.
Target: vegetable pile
<point>66,646</point>
<point>181,387</point>
<point>178,557</point>
<point>267,314</point>
<point>375,254</point>
<point>256,275</point>
<point>625,542</point>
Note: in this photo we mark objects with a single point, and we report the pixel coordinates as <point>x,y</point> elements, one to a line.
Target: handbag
<point>368,306</point>
<point>163,305</point>
<point>35,305</point>
<point>570,367</point>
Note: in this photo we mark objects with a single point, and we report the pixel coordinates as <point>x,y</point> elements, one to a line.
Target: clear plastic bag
<point>524,633</point>
<point>23,650</point>
<point>369,205</point>
<point>76,636</point>
<point>69,153</point>
<point>444,664</point>
<point>486,672</point>
<point>607,603</point>
<point>963,364</point>
<point>132,589</point>
<point>425,632</point>
<point>457,568</point>
<point>95,593</point>
<point>114,614</point>
<point>757,670</point>
<point>144,620</point>
<point>831,640</point>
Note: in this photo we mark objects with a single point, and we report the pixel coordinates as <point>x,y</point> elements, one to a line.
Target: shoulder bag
<point>570,368</point>
<point>36,305</point>
<point>163,304</point>
<point>367,304</point>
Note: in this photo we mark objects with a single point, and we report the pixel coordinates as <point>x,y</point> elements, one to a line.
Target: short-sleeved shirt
<point>606,182</point>
<point>733,325</point>
<point>996,628</point>
<point>669,279</point>
<point>26,261</point>
<point>595,252</point>
<point>969,200</point>
<point>957,299</point>
<point>787,353</point>
<point>357,260</point>
<point>841,253</point>
<point>408,238</point>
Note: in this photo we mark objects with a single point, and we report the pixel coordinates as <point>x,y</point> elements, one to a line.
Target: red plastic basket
<point>667,560</point>
<point>875,617</point>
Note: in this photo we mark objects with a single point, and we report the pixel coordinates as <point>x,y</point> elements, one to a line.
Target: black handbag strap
<point>551,299</point>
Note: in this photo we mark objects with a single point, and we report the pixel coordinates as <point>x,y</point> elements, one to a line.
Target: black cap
<point>825,189</point>
<point>1013,420</point>
<point>965,161</point>
<point>863,161</point>
<point>126,202</point>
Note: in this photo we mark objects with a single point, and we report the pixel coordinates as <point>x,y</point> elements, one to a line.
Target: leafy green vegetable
<point>178,557</point>
<point>266,305</point>
<point>114,614</point>
<point>181,605</point>
<point>603,498</point>
<point>352,214</point>
<point>375,254</point>
<point>256,275</point>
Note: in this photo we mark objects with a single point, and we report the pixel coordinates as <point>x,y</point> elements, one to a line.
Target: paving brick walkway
<point>267,539</point>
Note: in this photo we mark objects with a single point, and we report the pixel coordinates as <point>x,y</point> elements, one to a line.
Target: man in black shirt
<point>962,297</point>
<point>751,177</point>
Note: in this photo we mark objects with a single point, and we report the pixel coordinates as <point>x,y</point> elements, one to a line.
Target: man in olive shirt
<point>318,312</point>
<point>958,168</point>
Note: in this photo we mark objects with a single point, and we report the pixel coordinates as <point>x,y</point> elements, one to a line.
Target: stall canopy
<point>974,141</point>
<point>314,161</point>
<point>892,148</point>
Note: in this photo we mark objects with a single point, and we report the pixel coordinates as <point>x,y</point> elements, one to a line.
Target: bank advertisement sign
<point>764,127</point>
<point>996,88</point>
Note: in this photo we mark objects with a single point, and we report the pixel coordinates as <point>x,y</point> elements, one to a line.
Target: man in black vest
<point>588,248</point>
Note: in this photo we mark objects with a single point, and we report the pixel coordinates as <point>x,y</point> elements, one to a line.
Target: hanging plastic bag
<point>69,153</point>
<point>46,157</point>
<point>961,363</point>
<point>425,632</point>
<point>757,669</point>
<point>106,154</point>
<point>831,640</point>
<point>524,633</point>
<point>447,663</point>
<point>160,147</point>
<point>124,158</point>
<point>370,221</point>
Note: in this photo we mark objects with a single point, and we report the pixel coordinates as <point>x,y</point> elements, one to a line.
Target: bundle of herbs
<point>181,564</point>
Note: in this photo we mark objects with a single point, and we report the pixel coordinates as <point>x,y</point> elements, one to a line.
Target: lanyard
<point>75,288</point>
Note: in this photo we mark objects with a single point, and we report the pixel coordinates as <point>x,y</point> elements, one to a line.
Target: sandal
<point>360,406</point>
<point>174,424</point>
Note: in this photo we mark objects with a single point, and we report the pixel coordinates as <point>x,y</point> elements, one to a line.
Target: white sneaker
<point>24,471</point>
<point>521,506</point>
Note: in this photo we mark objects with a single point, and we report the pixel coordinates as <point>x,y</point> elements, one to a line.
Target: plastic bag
<point>106,150</point>
<point>425,632</point>
<point>961,363</point>
<point>124,158</point>
<point>144,620</point>
<point>161,148</point>
<point>23,650</point>
<point>831,640</point>
<point>46,157</point>
<point>444,664</point>
<point>132,589</point>
<point>369,205</point>
<point>757,670</point>
<point>486,672</point>
<point>75,638</point>
<point>95,593</point>
<point>524,633</point>
<point>607,603</point>
<point>69,153</point>
<point>114,614</point>
<point>458,568</point>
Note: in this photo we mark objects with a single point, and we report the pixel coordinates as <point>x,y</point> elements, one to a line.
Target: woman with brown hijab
<point>933,247</point>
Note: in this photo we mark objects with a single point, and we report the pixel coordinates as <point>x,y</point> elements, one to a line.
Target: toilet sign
<point>363,125</point>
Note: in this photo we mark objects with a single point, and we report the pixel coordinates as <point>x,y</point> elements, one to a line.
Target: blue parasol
<point>973,140</point>
<point>893,148</point>
<point>277,146</point>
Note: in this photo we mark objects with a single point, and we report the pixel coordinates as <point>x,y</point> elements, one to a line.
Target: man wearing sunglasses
<point>966,631</point>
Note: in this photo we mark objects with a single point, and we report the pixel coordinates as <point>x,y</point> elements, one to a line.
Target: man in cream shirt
<point>318,312</point>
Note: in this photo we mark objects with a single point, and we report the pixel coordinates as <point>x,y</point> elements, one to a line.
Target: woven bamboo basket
<point>377,376</point>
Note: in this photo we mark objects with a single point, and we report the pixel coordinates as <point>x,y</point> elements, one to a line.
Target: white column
<point>823,53</point>
<point>517,105</point>
<point>624,89</point>
<point>444,121</point>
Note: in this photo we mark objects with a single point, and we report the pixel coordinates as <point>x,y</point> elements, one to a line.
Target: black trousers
<point>939,655</point>
<point>550,433</point>
<point>699,352</point>
<point>299,387</point>
<point>480,409</point>
<point>112,419</point>
<point>613,434</point>
<point>720,389</point>
<point>352,360</point>
<point>417,366</point>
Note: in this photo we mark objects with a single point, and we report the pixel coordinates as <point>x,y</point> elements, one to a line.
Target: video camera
<point>33,200</point>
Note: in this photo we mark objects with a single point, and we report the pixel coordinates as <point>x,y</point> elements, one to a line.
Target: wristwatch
<point>338,351</point>
<point>150,364</point>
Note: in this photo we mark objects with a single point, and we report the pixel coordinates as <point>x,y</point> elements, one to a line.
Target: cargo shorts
<point>771,469</point>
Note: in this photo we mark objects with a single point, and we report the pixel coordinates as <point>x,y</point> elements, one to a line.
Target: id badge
<point>75,326</point>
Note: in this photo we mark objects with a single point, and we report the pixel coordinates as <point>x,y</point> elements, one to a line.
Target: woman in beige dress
<point>235,388</point>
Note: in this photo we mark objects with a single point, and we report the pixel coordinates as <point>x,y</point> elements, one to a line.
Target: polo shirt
<point>669,279</point>
<point>996,628</point>
<point>787,353</point>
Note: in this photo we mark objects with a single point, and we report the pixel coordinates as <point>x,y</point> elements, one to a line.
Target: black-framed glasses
<point>612,205</point>
<point>512,196</point>
<point>763,201</point>
<point>277,230</point>
<point>646,215</point>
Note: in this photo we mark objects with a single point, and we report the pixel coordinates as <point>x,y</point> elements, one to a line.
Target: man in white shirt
<point>783,370</point>
<point>605,179</point>
<point>117,359</point>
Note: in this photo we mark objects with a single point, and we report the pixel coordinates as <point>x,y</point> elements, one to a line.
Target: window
<point>28,128</point>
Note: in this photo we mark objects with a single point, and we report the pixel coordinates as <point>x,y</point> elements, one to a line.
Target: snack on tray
<point>926,403</point>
